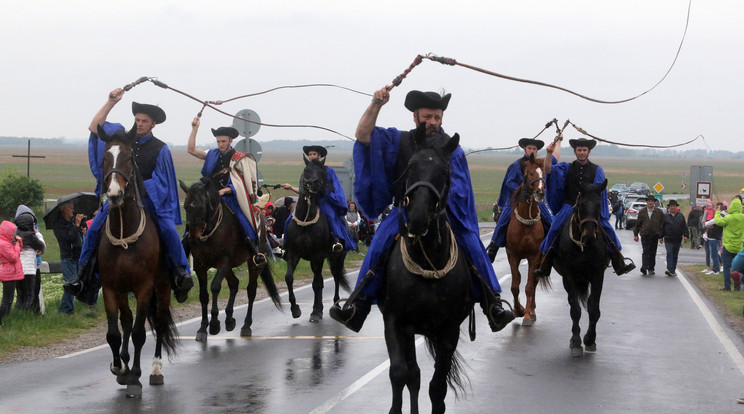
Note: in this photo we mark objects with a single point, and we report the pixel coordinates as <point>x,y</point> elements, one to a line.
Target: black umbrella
<point>85,203</point>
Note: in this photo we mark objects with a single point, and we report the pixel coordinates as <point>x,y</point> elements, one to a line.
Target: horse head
<point>118,166</point>
<point>313,179</point>
<point>589,211</point>
<point>533,184</point>
<point>202,200</point>
<point>427,182</point>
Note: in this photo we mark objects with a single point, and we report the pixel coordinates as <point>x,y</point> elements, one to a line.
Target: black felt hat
<point>321,150</point>
<point>225,131</point>
<point>531,141</point>
<point>582,142</point>
<point>154,112</point>
<point>433,100</point>
<point>672,203</point>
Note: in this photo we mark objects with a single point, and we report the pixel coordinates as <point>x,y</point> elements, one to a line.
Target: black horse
<point>581,259</point>
<point>216,241</point>
<point>427,288</point>
<point>308,236</point>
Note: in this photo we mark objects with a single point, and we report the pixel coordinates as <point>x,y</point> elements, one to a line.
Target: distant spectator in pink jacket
<point>11,269</point>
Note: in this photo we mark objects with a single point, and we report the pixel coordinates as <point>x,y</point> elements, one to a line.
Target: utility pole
<point>28,157</point>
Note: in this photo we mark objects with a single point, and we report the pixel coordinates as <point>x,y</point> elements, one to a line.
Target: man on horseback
<point>155,164</point>
<point>380,160</point>
<point>513,180</point>
<point>564,185</point>
<point>217,164</point>
<point>332,203</point>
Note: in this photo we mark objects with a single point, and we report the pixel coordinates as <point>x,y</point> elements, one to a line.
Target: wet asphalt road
<point>661,348</point>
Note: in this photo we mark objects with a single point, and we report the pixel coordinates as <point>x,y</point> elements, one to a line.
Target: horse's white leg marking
<point>157,366</point>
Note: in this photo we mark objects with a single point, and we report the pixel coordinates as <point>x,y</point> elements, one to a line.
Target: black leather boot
<point>337,246</point>
<point>353,314</point>
<point>182,283</point>
<point>618,263</point>
<point>498,317</point>
<point>491,250</point>
<point>76,286</point>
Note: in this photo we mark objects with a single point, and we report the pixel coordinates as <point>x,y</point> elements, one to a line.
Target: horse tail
<point>161,322</point>
<point>267,277</point>
<point>545,283</point>
<point>339,272</point>
<point>457,378</point>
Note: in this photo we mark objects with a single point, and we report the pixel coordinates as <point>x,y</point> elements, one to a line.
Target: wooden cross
<point>28,157</point>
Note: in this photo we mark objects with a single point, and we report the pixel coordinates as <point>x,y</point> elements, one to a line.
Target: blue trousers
<point>69,271</point>
<point>727,257</point>
<point>712,256</point>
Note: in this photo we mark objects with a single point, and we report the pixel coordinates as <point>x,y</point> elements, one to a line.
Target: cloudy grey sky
<point>61,58</point>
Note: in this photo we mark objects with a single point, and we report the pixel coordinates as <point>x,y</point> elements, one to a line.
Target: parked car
<point>630,215</point>
<point>640,188</point>
<point>617,190</point>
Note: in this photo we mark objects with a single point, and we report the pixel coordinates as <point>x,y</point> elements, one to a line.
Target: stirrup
<point>337,247</point>
<point>259,260</point>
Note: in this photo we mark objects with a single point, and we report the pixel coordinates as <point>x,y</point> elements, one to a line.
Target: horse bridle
<point>125,241</point>
<point>576,217</point>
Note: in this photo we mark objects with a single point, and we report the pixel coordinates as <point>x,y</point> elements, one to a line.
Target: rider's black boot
<point>182,283</point>
<point>498,317</point>
<point>353,314</point>
<point>77,286</point>
<point>337,246</point>
<point>545,265</point>
<point>258,258</point>
<point>491,250</point>
<point>618,263</point>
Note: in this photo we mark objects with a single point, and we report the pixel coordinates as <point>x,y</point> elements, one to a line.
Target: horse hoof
<point>591,348</point>
<point>296,312</point>
<point>121,379</point>
<point>134,391</point>
<point>230,324</point>
<point>577,352</point>
<point>527,321</point>
<point>201,336</point>
<point>214,328</point>
<point>156,380</point>
<point>533,317</point>
<point>316,317</point>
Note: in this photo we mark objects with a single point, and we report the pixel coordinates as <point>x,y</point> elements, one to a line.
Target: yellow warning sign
<point>658,187</point>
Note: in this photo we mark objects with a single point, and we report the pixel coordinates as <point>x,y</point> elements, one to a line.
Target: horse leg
<point>215,287</point>
<point>289,279</point>
<point>573,300</point>
<point>317,267</point>
<point>166,333</point>
<point>232,284</point>
<point>516,281</point>
<point>134,386</point>
<point>592,307</point>
<point>126,320</point>
<point>444,349</point>
<point>251,291</point>
<point>529,290</point>
<point>113,336</point>
<point>201,334</point>
<point>399,347</point>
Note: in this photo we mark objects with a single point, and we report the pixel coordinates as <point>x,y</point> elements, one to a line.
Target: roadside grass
<point>729,303</point>
<point>24,328</point>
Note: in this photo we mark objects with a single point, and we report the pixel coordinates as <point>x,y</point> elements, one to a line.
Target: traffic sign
<point>658,188</point>
<point>247,128</point>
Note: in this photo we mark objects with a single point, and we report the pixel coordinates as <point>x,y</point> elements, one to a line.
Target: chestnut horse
<point>215,240</point>
<point>524,235</point>
<point>130,259</point>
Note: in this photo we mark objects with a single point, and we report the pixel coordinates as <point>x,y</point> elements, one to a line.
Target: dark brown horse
<point>428,286</point>
<point>524,235</point>
<point>130,260</point>
<point>216,241</point>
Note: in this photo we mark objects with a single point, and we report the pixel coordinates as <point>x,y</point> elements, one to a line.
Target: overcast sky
<point>61,58</point>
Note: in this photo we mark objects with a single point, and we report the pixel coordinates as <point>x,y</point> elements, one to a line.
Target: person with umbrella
<point>69,233</point>
<point>155,163</point>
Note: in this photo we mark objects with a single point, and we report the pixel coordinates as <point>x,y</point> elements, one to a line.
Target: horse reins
<point>416,269</point>
<point>125,241</point>
<point>576,218</point>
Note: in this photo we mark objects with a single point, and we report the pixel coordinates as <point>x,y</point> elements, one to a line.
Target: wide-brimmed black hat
<point>672,203</point>
<point>321,150</point>
<point>651,198</point>
<point>433,100</point>
<point>531,141</point>
<point>582,142</point>
<point>230,132</point>
<point>155,112</point>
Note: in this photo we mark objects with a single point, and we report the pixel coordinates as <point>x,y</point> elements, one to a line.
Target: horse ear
<point>306,159</point>
<point>102,134</point>
<point>421,134</point>
<point>132,134</point>
<point>603,186</point>
<point>452,144</point>
<point>184,187</point>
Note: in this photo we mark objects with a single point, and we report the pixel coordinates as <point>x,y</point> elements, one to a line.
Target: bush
<point>17,189</point>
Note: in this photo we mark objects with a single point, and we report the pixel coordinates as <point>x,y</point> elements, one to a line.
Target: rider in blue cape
<point>564,182</point>
<point>332,203</point>
<point>513,180</point>
<point>155,164</point>
<point>380,160</point>
<point>217,166</point>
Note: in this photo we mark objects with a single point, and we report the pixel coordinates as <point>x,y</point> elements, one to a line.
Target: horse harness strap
<point>125,241</point>
<point>416,269</point>
<point>530,221</point>
<point>219,213</point>
<point>305,222</point>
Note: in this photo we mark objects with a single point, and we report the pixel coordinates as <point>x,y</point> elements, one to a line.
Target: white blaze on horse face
<point>541,183</point>
<point>114,186</point>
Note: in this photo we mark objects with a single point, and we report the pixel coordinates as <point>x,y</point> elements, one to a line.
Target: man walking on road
<point>648,226</point>
<point>673,228</point>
